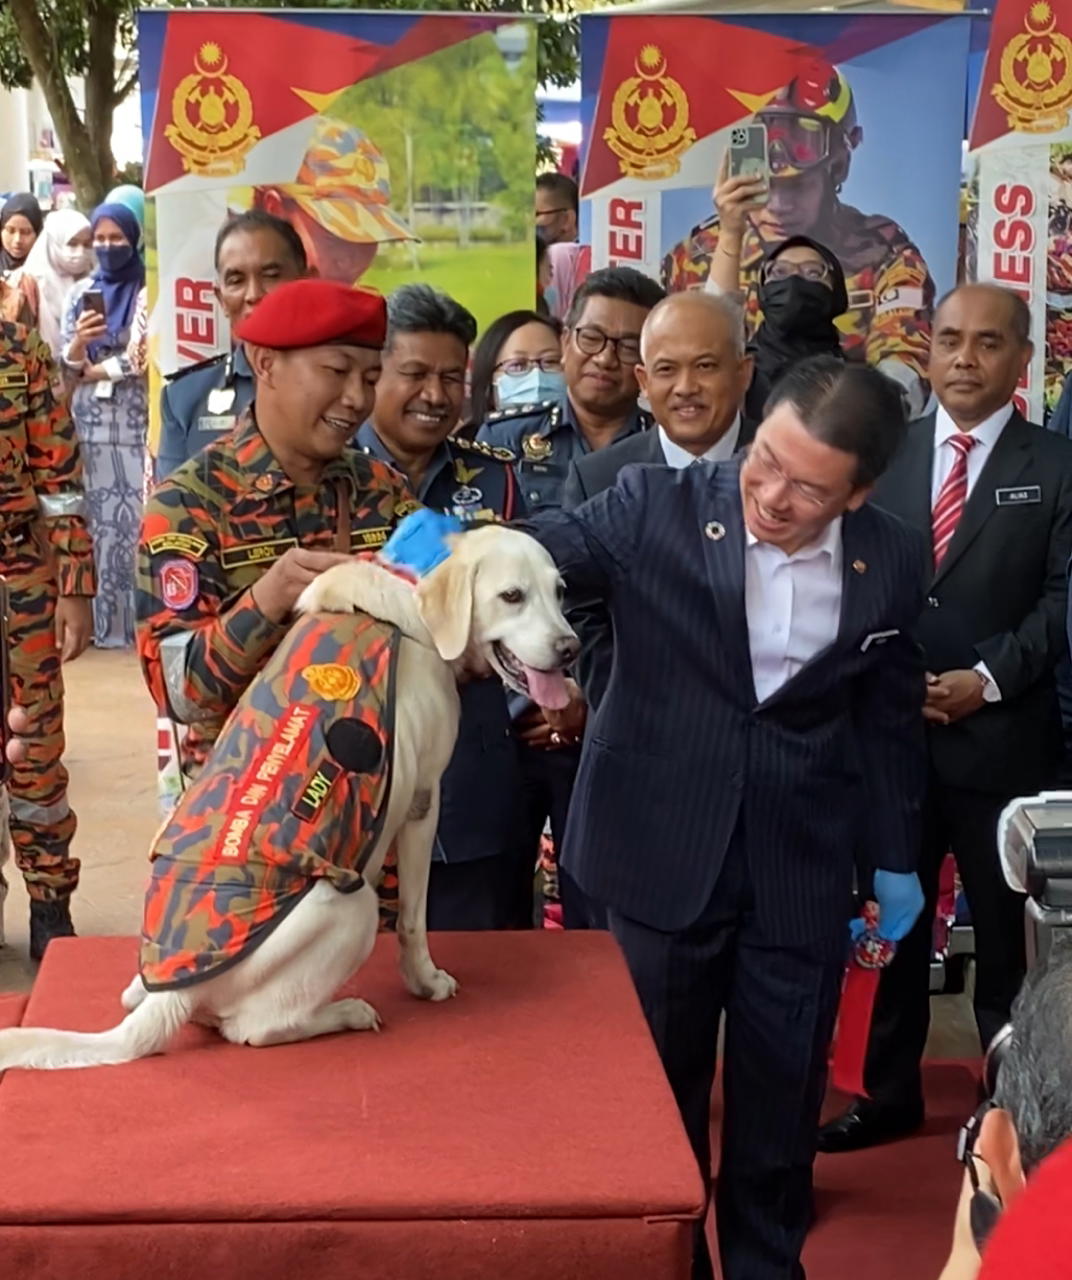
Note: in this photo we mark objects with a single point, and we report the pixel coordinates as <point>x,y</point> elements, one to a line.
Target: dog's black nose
<point>567,648</point>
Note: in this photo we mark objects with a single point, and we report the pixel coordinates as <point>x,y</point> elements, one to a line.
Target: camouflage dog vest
<point>295,790</point>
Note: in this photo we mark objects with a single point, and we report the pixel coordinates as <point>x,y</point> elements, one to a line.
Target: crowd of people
<point>859,623</point>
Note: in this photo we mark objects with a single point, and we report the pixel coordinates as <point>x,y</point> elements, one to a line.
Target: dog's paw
<point>432,984</point>
<point>361,1016</point>
<point>134,994</point>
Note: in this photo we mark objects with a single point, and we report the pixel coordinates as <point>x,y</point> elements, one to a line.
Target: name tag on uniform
<point>13,380</point>
<point>368,537</point>
<point>1030,493</point>
<point>878,637</point>
<point>255,553</point>
<point>216,422</point>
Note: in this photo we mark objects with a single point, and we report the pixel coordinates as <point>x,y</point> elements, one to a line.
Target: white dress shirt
<point>986,434</point>
<point>793,605</point>
<point>679,458</point>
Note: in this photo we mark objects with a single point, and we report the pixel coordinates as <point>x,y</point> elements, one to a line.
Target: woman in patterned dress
<point>109,405</point>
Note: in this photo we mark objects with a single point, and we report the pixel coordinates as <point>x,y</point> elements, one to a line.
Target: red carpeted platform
<point>523,1129</point>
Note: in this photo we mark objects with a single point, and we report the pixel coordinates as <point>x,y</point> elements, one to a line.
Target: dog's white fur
<point>283,990</point>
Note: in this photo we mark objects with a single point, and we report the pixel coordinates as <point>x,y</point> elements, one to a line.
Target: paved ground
<point>111,755</point>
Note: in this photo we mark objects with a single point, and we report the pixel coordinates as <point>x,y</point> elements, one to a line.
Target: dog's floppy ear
<point>445,603</point>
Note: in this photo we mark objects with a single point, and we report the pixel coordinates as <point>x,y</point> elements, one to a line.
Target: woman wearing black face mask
<point>801,293</point>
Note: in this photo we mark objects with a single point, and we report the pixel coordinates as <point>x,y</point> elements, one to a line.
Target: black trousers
<point>780,1005</point>
<point>486,893</point>
<point>964,822</point>
<point>548,777</point>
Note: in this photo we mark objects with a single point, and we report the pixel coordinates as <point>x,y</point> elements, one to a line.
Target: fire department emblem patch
<point>332,681</point>
<point>178,583</point>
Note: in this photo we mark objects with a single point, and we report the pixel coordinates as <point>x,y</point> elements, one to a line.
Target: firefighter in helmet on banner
<point>812,131</point>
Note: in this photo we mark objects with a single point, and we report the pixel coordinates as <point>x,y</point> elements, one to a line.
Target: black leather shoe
<point>49,920</point>
<point>866,1124</point>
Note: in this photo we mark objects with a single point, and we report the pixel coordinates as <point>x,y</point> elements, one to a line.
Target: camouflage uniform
<point>279,806</point>
<point>210,531</point>
<point>891,293</point>
<point>45,551</point>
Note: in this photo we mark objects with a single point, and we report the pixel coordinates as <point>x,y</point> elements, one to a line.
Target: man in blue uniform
<point>254,252</point>
<point>483,869</point>
<point>600,352</point>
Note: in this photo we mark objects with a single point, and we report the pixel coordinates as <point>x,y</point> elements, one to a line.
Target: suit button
<point>534,495</point>
<point>932,602</point>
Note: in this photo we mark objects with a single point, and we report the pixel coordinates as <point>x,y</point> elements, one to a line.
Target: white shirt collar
<point>828,543</point>
<point>987,432</point>
<point>679,458</point>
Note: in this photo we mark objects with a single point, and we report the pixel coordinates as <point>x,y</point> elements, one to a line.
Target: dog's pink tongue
<point>547,688</point>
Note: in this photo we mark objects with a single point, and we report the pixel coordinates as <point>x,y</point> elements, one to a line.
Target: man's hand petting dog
<point>276,594</point>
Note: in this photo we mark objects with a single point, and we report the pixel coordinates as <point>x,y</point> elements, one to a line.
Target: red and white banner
<point>1012,247</point>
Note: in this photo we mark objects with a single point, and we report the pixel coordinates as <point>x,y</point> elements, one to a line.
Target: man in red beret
<point>233,535</point>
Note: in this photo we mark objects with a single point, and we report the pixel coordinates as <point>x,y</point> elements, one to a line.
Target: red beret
<point>311,313</point>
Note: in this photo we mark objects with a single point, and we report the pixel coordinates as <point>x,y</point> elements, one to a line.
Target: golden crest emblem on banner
<point>212,117</point>
<point>1036,74</point>
<point>649,127</point>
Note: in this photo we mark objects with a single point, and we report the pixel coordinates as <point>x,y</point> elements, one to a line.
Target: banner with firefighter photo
<point>400,147</point>
<point>861,121</point>
<point>1021,162</point>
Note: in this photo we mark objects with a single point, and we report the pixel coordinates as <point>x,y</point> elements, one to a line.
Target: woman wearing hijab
<point>61,256</point>
<point>109,409</point>
<point>20,225</point>
<point>801,293</point>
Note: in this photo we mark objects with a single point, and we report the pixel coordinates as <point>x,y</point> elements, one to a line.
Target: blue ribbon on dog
<point>419,542</point>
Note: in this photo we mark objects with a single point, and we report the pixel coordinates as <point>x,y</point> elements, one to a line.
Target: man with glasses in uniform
<point>600,353</point>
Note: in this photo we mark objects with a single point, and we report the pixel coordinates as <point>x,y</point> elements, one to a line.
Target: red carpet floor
<point>887,1214</point>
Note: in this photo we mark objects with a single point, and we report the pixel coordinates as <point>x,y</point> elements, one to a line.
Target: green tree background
<point>52,40</point>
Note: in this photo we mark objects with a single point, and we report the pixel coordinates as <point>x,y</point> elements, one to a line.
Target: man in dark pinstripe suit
<point>761,728</point>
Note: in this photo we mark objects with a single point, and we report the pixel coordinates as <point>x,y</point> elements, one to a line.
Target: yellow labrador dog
<point>491,607</point>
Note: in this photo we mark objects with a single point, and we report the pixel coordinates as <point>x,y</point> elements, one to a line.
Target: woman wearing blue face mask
<point>110,413</point>
<point>517,361</point>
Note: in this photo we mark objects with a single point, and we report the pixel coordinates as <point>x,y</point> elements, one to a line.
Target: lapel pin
<point>715,531</point>
<point>860,566</point>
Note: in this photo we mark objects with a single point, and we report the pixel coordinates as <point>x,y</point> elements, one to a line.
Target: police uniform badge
<point>536,448</point>
<point>467,496</point>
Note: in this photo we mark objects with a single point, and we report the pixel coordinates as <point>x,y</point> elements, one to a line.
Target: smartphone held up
<point>748,156</point>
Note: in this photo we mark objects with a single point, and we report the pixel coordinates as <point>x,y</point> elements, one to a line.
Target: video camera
<point>1035,847</point>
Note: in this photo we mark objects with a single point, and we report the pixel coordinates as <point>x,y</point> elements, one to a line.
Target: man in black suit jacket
<point>761,723</point>
<point>993,633</point>
<point>694,372</point>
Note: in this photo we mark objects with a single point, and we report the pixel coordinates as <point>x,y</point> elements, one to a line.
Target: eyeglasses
<point>816,272</point>
<point>592,341</point>
<point>766,462</point>
<point>521,365</point>
<point>547,213</point>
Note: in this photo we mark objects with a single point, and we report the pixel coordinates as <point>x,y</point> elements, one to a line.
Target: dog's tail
<point>148,1029</point>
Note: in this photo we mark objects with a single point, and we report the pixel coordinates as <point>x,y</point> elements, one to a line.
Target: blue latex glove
<point>900,900</point>
<point>419,542</point>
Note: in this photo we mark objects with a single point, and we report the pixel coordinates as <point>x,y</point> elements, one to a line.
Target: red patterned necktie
<point>951,497</point>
